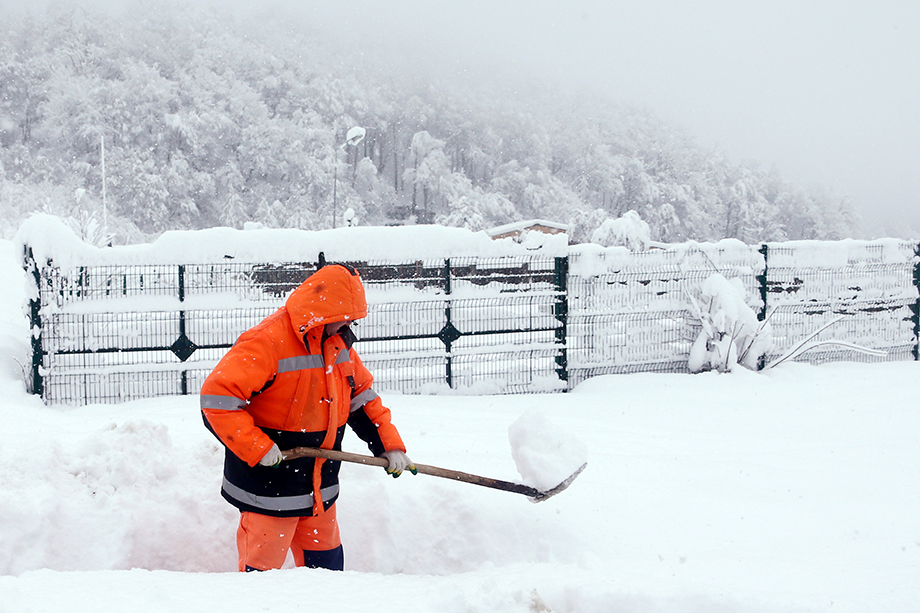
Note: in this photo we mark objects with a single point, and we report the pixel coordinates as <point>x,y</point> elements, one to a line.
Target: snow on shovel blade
<point>533,493</point>
<point>541,496</point>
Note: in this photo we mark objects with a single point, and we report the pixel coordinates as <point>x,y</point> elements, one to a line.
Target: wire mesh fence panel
<point>630,314</point>
<point>62,287</point>
<point>112,387</point>
<point>401,319</point>
<point>634,312</point>
<point>865,294</point>
<point>113,332</point>
<point>97,323</point>
<point>408,375</point>
<point>523,370</point>
<point>829,325</point>
<point>221,327</point>
<point>505,323</point>
<point>629,342</point>
<point>512,312</point>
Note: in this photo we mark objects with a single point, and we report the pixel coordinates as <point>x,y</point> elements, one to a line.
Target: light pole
<point>354,136</point>
<point>105,210</point>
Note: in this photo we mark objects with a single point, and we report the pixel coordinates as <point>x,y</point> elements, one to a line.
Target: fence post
<point>82,282</point>
<point>183,347</point>
<point>35,323</point>
<point>448,333</point>
<point>762,286</point>
<point>183,339</point>
<point>916,306</point>
<point>561,313</point>
<point>762,283</point>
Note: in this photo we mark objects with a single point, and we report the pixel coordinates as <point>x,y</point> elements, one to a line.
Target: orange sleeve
<point>374,408</point>
<point>245,369</point>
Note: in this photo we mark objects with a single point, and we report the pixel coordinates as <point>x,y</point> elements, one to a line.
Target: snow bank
<point>742,492</point>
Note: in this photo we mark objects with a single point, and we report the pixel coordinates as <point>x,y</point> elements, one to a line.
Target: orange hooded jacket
<point>284,382</point>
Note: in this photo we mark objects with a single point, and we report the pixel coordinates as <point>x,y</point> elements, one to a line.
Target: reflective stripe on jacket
<point>283,383</point>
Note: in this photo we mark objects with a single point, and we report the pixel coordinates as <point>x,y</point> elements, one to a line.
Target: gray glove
<point>272,457</point>
<point>398,462</point>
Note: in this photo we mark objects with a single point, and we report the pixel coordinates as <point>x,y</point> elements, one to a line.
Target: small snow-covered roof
<point>540,225</point>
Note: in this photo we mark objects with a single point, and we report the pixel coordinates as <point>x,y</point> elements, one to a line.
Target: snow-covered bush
<point>628,231</point>
<point>731,333</point>
<point>86,225</point>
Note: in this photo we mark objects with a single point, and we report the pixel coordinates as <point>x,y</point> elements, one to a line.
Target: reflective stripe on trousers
<point>277,503</point>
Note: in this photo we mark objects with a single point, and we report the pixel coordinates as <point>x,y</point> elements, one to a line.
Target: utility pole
<point>105,211</point>
<point>354,136</point>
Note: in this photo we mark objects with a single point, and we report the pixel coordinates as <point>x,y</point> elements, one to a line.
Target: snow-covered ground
<point>792,490</point>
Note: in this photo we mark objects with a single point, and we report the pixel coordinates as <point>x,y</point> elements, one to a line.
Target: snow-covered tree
<point>206,121</point>
<point>628,231</point>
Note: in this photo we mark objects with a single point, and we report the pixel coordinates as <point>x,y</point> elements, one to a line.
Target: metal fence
<point>117,333</point>
<point>497,325</point>
<point>871,291</point>
<point>631,312</point>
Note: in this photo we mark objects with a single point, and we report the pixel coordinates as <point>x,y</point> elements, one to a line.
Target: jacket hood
<point>332,293</point>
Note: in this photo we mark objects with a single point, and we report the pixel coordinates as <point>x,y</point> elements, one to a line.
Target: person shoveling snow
<point>295,380</point>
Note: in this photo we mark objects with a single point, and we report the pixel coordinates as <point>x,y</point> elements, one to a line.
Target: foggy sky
<point>827,91</point>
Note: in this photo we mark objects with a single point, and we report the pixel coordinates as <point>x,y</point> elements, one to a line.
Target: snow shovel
<point>533,493</point>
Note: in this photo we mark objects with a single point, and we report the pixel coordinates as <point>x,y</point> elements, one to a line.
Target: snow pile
<point>109,491</point>
<point>544,455</point>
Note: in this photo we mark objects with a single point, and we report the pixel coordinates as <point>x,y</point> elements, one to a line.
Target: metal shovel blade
<point>540,496</point>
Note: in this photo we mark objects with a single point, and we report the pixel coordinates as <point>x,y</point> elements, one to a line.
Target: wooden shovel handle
<point>445,473</point>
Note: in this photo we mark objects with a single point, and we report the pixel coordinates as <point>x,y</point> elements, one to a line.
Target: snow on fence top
<point>840,254</point>
<point>52,240</point>
<point>591,260</point>
<point>594,260</point>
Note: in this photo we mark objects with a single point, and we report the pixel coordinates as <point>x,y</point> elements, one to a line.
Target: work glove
<point>398,462</point>
<point>272,457</point>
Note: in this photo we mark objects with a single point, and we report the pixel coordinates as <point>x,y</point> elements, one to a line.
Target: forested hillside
<point>206,119</point>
